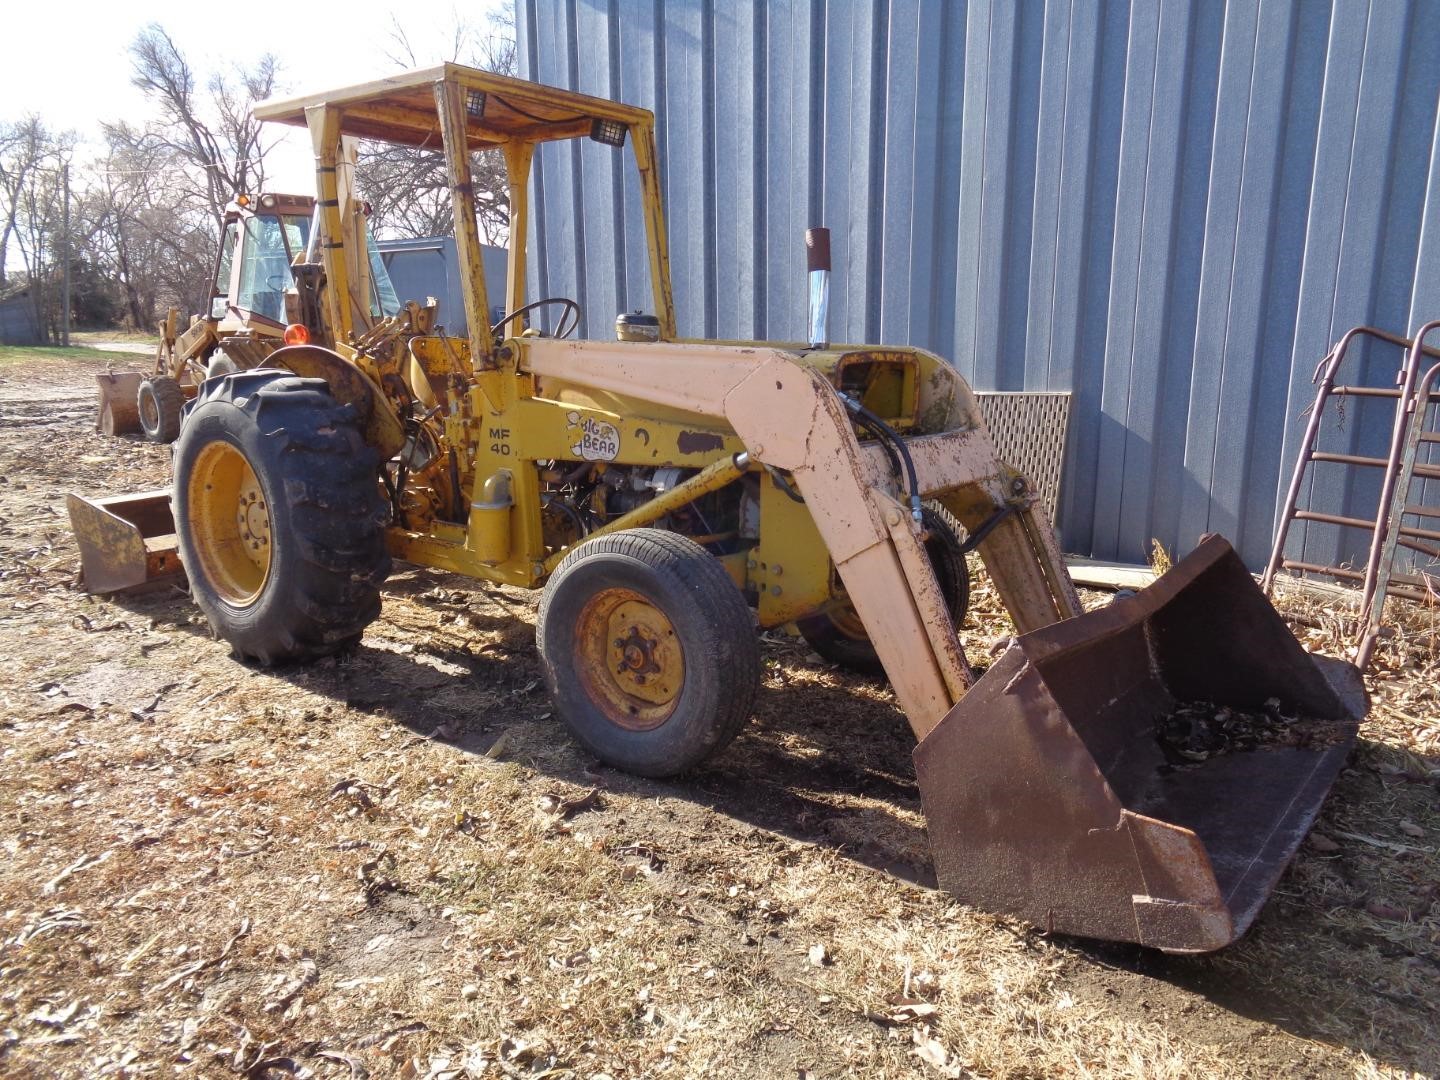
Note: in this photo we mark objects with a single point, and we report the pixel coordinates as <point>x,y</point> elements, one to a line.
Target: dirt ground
<point>396,863</point>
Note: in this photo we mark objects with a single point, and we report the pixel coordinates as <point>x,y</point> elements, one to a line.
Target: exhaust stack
<point>817,261</point>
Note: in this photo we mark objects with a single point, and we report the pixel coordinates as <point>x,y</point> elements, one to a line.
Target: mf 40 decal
<point>597,439</point>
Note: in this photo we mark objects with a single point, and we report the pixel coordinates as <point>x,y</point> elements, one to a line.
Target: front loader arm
<point>790,417</point>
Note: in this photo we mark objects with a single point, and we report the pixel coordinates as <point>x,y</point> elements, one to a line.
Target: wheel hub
<point>229,520</point>
<point>632,662</point>
<point>253,519</point>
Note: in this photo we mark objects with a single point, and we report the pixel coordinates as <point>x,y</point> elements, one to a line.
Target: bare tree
<point>214,133</point>
<point>154,237</point>
<point>159,194</point>
<point>408,188</point>
<point>32,160</point>
<point>23,147</point>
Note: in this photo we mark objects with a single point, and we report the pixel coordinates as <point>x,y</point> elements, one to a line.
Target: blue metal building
<point>430,266</point>
<point>1169,208</point>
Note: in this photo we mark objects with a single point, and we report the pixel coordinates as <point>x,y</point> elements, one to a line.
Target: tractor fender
<point>379,424</point>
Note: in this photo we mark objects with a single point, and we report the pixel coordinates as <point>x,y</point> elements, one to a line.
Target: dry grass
<point>388,865</point>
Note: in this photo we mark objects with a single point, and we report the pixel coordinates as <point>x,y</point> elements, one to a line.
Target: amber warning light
<point>296,334</point>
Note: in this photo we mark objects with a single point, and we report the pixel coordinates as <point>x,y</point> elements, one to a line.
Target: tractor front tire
<point>279,516</point>
<point>840,637</point>
<point>160,401</point>
<point>649,650</point>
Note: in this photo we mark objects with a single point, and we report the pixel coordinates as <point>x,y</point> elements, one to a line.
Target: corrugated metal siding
<point>1171,209</point>
<point>430,266</point>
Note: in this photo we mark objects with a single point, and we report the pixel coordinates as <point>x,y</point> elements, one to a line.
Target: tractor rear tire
<point>160,401</point>
<point>279,516</point>
<point>649,650</point>
<point>841,639</point>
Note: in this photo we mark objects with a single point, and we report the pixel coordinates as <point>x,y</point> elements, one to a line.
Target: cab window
<point>383,300</point>
<point>270,243</point>
<point>222,274</point>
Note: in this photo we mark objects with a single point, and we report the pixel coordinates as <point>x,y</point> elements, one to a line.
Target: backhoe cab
<point>671,494</point>
<point>266,277</point>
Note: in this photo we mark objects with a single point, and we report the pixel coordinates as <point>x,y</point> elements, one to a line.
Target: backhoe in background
<point>670,495</point>
<point>255,295</point>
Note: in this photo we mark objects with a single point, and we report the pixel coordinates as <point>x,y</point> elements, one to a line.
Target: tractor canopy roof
<point>402,109</point>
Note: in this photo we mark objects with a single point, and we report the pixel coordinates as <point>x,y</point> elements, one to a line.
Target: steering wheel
<point>569,318</point>
<point>276,282</point>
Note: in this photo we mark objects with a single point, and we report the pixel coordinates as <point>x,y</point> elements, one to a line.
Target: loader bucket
<point>1143,772</point>
<point>119,402</point>
<point>126,542</point>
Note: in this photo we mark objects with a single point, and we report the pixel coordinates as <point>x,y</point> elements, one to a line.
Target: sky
<point>320,46</point>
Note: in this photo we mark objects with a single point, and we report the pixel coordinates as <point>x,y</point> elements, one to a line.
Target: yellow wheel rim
<point>230,524</point>
<point>149,411</point>
<point>629,659</point>
<point>847,620</point>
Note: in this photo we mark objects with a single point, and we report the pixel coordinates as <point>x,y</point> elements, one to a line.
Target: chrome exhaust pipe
<point>817,261</point>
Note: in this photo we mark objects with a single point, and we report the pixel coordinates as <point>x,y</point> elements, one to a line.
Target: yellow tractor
<point>258,289</point>
<point>671,496</point>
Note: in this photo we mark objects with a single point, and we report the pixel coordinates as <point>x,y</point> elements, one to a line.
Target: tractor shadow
<point>826,761</point>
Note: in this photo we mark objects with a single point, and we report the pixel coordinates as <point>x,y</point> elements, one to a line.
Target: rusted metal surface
<point>1387,528</point>
<point>126,542</point>
<point>1048,795</point>
<point>1396,532</point>
<point>119,406</point>
<point>630,659</point>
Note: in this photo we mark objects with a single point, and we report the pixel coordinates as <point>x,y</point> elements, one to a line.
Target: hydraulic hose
<point>894,444</point>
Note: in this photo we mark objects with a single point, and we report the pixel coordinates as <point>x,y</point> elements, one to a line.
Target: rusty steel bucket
<point>1050,796</point>
<point>119,412</point>
<point>127,542</point>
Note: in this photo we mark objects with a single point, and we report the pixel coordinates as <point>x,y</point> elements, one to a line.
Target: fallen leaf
<point>931,1051</point>
<point>564,808</point>
<point>82,863</point>
<point>497,749</point>
<point>1409,828</point>
<point>1384,910</point>
<point>908,1011</point>
<point>357,1067</point>
<point>1322,843</point>
<point>56,1017</point>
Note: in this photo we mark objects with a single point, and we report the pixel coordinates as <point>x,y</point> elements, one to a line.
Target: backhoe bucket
<point>1143,772</point>
<point>127,542</point>
<point>119,402</point>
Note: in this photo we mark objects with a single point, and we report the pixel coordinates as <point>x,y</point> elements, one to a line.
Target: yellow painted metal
<point>516,406</point>
<point>450,103</point>
<point>642,137</point>
<point>489,531</point>
<point>356,249</point>
<point>518,156</point>
<point>711,478</point>
<point>629,658</point>
<point>126,542</point>
<point>230,523</point>
<point>324,125</point>
<point>790,567</point>
<point>399,108</point>
<point>540,429</point>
